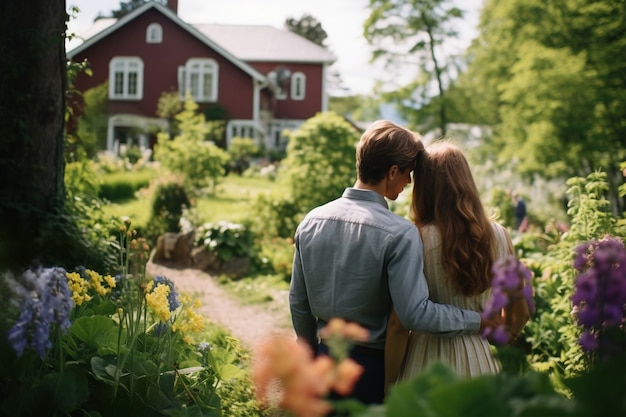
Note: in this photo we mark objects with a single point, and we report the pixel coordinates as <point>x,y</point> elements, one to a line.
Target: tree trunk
<point>32,108</point>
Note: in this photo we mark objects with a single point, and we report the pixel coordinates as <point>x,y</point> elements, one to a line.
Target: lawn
<point>229,202</point>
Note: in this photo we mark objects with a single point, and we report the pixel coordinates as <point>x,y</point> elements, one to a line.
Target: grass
<point>230,202</point>
<point>267,290</point>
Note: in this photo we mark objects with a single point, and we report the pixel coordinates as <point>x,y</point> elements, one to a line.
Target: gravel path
<point>248,323</point>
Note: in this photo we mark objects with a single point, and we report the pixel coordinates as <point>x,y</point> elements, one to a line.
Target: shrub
<point>169,200</point>
<point>88,235</point>
<point>320,161</point>
<point>226,240</point>
<point>123,185</point>
<point>276,215</point>
<point>200,162</point>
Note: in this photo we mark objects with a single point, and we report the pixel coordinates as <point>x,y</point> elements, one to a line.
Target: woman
<point>461,244</point>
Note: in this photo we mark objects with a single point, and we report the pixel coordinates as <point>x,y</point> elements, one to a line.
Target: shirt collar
<point>365,195</point>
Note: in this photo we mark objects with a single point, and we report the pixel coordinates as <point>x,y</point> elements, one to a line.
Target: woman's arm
<point>396,342</point>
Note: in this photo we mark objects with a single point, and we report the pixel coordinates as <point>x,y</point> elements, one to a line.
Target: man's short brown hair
<point>383,145</point>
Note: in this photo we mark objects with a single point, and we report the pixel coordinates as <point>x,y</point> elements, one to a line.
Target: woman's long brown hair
<point>445,195</point>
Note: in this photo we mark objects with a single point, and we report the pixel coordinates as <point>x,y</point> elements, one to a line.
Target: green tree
<point>551,76</point>
<point>168,106</point>
<point>320,160</point>
<point>189,153</point>
<point>413,32</point>
<point>308,27</point>
<point>127,7</point>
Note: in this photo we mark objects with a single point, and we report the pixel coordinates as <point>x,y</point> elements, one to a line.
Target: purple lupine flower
<point>599,297</point>
<point>172,297</point>
<point>588,342</point>
<point>204,346</point>
<point>48,302</point>
<point>511,278</point>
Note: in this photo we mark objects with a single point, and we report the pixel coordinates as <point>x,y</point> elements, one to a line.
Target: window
<point>199,77</point>
<point>298,86</point>
<point>154,33</point>
<point>126,78</point>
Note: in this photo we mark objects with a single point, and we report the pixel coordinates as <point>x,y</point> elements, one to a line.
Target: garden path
<point>249,323</point>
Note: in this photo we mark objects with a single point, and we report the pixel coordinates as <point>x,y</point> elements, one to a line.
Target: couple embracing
<point>417,286</point>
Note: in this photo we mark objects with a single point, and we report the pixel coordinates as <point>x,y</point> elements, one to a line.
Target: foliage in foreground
<point>85,344</point>
<point>577,336</point>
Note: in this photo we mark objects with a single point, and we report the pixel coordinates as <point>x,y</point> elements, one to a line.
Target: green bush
<point>276,215</point>
<point>189,153</point>
<point>553,332</point>
<point>122,185</point>
<point>90,235</point>
<point>321,160</point>
<point>278,253</point>
<point>226,240</point>
<point>169,200</point>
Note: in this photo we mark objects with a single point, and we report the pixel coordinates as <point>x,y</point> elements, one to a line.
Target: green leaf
<point>98,332</point>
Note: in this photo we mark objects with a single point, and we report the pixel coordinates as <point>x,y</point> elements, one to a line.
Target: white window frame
<point>189,77</point>
<point>298,86</point>
<point>126,78</point>
<point>154,33</point>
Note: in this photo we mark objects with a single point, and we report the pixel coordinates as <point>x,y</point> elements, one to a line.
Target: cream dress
<point>468,355</point>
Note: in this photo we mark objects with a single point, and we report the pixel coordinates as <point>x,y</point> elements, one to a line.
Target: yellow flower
<point>157,301</point>
<point>79,287</point>
<point>96,282</point>
<point>190,322</point>
<point>110,281</point>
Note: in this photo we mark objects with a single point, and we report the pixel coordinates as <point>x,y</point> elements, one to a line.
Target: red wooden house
<point>263,79</point>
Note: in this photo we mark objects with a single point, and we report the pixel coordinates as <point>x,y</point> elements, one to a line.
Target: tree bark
<point>33,81</point>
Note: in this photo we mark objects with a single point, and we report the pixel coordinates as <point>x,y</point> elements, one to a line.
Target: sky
<point>341,19</point>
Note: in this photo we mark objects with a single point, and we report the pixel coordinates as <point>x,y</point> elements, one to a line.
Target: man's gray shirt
<point>353,259</point>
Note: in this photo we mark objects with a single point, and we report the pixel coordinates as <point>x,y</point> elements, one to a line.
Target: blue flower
<point>161,328</point>
<point>47,303</point>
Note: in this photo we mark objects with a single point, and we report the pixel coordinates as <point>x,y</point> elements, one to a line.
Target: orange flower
<point>304,381</point>
<point>348,330</point>
<point>347,374</point>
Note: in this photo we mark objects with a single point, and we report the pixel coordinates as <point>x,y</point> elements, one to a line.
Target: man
<point>354,259</point>
<point>521,218</point>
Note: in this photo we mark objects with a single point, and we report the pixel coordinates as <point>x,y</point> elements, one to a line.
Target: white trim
<point>324,87</point>
<point>201,67</point>
<point>172,16</point>
<point>129,67</point>
<point>144,124</point>
<point>298,86</point>
<point>154,33</point>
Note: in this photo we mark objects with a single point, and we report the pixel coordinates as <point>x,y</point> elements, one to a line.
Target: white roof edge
<point>166,11</point>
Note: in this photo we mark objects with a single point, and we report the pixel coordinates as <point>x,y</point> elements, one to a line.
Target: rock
<point>181,252</point>
<point>203,259</point>
<point>174,248</point>
<point>236,268</point>
<point>164,247</point>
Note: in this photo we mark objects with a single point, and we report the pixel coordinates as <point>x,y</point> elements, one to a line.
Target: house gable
<point>151,51</point>
<point>128,19</point>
